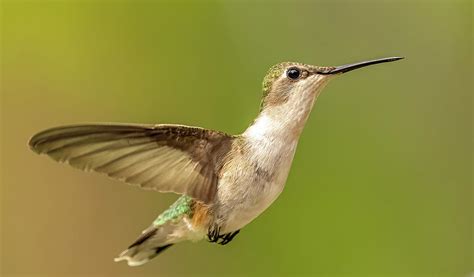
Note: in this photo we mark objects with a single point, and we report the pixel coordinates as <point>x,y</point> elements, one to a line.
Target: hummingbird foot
<point>214,236</point>
<point>226,238</point>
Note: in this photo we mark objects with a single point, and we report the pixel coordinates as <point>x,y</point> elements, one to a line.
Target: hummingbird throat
<point>287,117</point>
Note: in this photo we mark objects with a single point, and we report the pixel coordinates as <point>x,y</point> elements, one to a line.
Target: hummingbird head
<point>289,92</point>
<point>296,80</point>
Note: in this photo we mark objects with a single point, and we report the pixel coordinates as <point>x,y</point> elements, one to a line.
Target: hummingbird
<point>225,181</point>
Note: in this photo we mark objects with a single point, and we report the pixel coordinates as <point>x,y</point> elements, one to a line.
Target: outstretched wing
<point>166,158</point>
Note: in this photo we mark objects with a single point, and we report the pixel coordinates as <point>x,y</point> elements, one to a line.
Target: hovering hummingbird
<point>226,181</point>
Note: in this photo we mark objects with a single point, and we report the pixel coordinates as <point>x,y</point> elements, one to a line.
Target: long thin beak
<point>348,67</point>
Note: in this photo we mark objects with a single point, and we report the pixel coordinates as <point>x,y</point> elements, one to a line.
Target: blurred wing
<point>166,158</point>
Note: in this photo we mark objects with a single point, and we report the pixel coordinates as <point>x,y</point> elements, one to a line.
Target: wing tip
<point>33,144</point>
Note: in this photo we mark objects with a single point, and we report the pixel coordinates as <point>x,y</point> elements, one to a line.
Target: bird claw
<point>226,238</point>
<point>214,235</point>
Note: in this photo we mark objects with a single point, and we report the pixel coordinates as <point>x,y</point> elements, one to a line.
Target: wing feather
<point>166,158</point>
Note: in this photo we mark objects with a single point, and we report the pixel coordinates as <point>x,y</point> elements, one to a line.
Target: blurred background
<point>381,184</point>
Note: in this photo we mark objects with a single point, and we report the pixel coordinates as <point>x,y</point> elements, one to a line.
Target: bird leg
<point>213,234</point>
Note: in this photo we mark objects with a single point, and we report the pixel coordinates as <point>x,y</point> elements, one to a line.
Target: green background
<point>381,184</point>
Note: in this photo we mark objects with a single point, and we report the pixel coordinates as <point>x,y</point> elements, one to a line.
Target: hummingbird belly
<point>250,187</point>
<point>248,209</point>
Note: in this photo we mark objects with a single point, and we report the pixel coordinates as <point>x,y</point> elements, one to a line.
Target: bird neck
<point>282,122</point>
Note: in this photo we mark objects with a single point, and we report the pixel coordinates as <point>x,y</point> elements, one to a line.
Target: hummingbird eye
<point>293,73</point>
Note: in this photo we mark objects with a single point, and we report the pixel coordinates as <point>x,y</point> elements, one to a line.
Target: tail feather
<point>172,226</point>
<point>148,245</point>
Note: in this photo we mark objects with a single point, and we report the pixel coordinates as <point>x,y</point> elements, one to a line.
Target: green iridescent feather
<point>273,73</point>
<point>181,207</point>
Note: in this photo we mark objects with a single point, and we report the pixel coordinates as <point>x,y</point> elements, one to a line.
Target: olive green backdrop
<point>381,184</point>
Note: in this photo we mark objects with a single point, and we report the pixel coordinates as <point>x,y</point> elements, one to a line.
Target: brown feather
<point>201,214</point>
<point>166,158</point>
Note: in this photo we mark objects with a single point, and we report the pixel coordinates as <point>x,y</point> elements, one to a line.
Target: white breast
<point>256,179</point>
<point>252,181</point>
